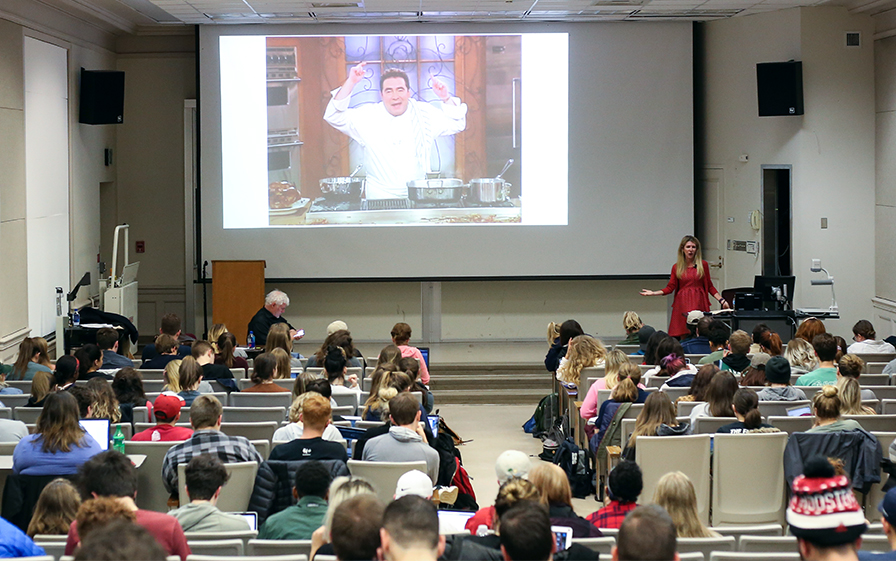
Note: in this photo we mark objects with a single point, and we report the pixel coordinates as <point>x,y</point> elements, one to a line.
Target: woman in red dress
<point>691,283</point>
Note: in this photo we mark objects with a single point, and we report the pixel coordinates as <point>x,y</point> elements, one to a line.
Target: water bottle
<point>251,340</point>
<point>76,318</point>
<point>118,440</point>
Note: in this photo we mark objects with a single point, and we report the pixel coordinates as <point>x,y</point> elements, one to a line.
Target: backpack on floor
<point>544,417</point>
<point>577,466</point>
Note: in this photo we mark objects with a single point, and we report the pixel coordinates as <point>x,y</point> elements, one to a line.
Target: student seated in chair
<point>887,508</point>
<point>315,418</point>
<point>166,410</point>
<point>205,416</point>
<point>299,521</point>
<point>824,514</point>
<point>107,341</point>
<point>111,474</point>
<point>647,534</point>
<point>411,531</point>
<point>406,439</point>
<point>205,477</point>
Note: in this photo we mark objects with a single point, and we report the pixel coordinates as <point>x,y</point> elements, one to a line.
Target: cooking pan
<point>492,189</point>
<point>435,190</point>
<point>342,188</point>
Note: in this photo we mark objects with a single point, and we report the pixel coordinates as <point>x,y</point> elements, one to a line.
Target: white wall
<point>831,147</point>
<point>885,195</point>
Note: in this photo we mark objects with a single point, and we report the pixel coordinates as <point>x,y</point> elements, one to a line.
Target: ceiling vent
<point>853,39</point>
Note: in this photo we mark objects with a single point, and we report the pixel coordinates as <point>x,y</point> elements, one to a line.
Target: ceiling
<point>153,16</point>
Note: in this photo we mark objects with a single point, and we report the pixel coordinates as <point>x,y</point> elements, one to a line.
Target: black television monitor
<point>776,291</point>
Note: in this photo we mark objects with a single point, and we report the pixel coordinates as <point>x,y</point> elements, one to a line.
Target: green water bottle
<point>118,440</point>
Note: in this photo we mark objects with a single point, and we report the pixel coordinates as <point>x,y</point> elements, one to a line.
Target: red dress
<point>691,293</point>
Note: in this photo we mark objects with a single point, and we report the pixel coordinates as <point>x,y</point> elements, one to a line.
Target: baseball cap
<point>512,463</point>
<point>887,506</point>
<point>823,509</point>
<point>167,406</point>
<point>335,326</point>
<point>694,316</point>
<point>760,359</point>
<point>414,482</point>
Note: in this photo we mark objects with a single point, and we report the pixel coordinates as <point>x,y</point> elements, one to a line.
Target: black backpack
<point>576,463</point>
<point>545,416</point>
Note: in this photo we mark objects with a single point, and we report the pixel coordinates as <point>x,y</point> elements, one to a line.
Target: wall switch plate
<point>731,219</point>
<point>752,247</point>
<point>824,223</point>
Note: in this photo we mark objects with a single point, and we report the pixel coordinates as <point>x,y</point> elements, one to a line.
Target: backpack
<point>577,466</point>
<point>545,415</point>
<point>612,436</point>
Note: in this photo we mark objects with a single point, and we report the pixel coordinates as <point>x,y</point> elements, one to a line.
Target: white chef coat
<point>396,149</point>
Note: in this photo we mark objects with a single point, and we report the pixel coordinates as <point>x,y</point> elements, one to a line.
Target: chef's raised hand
<point>440,89</point>
<point>355,75</point>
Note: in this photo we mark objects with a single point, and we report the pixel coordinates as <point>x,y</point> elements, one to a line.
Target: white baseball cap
<point>414,482</point>
<point>512,463</point>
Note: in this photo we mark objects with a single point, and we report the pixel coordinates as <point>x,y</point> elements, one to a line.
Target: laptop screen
<point>425,352</point>
<point>98,429</point>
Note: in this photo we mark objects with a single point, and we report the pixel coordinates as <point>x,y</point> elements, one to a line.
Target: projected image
<point>400,130</point>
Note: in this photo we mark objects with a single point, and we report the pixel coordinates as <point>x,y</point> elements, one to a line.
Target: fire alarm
<point>141,247</point>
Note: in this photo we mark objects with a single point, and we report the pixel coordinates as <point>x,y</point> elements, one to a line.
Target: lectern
<point>237,293</point>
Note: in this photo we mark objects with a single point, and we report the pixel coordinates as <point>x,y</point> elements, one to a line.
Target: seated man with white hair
<point>511,463</point>
<point>275,304</point>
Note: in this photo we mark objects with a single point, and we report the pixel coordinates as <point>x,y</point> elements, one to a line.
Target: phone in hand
<point>299,334</point>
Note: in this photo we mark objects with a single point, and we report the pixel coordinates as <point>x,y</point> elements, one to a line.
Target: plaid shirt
<point>229,449</point>
<point>612,515</point>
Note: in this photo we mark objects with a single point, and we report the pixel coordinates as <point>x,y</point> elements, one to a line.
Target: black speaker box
<point>102,97</point>
<point>780,87</point>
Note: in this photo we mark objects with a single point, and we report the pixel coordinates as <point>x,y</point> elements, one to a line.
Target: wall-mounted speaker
<point>780,88</point>
<point>102,97</point>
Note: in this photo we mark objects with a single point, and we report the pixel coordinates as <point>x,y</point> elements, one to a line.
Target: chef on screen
<point>397,133</point>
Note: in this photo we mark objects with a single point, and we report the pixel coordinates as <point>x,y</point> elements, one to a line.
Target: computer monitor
<point>776,291</point>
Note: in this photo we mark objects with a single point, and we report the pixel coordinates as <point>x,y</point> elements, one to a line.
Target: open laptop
<point>98,429</point>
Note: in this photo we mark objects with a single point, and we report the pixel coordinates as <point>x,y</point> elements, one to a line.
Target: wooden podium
<point>237,293</point>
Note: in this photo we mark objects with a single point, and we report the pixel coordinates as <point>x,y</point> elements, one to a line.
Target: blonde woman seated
<point>632,323</point>
<point>850,394</point>
<point>341,490</point>
<point>553,486</point>
<point>675,493</point>
<point>582,352</point>
<point>848,366</point>
<point>719,397</point>
<point>827,405</point>
<point>626,391</point>
<point>172,379</point>
<point>801,356</point>
<point>615,359</point>
<point>746,409</point>
<point>295,428</point>
<point>658,418</point>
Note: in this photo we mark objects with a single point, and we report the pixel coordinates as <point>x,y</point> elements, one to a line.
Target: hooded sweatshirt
<point>401,444</point>
<point>788,393</point>
<point>735,363</point>
<point>204,517</point>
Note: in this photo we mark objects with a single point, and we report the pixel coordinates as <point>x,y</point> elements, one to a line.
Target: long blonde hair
<point>172,377</point>
<point>278,336</point>
<point>388,384</point>
<point>552,484</point>
<point>214,333</point>
<point>615,359</point>
<point>676,494</point>
<point>800,353</point>
<point>658,410</point>
<point>553,332</point>
<point>41,385</point>
<point>850,394</point>
<point>584,351</point>
<point>681,264</point>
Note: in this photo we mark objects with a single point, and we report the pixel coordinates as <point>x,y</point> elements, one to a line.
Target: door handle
<point>717,264</point>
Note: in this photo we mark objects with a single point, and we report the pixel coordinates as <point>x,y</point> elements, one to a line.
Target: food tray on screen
<point>294,207</point>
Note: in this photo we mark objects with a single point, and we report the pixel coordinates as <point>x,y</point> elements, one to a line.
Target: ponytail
<point>746,403</point>
<point>627,387</point>
<point>226,343</point>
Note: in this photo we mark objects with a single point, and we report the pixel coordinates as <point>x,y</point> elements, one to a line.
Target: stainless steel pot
<point>490,190</point>
<point>435,190</point>
<point>342,188</point>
